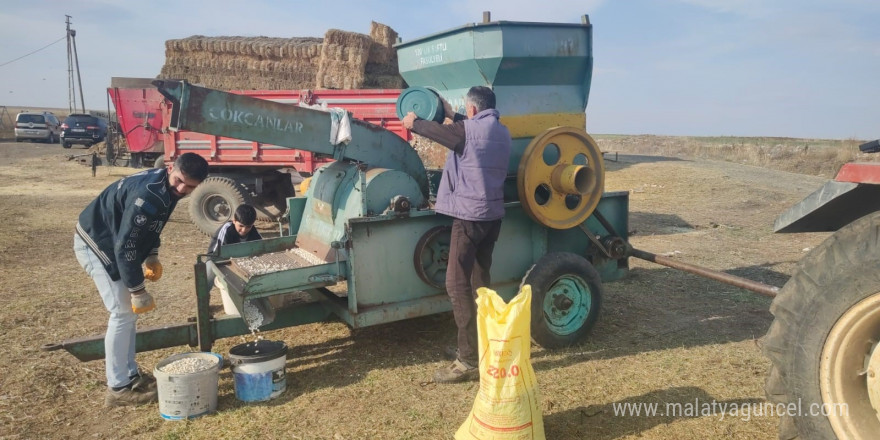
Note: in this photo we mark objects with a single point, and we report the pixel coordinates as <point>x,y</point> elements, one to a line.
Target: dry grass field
<point>663,337</point>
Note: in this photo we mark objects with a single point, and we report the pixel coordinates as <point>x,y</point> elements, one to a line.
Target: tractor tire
<point>272,204</point>
<point>213,202</point>
<point>566,297</point>
<point>826,329</point>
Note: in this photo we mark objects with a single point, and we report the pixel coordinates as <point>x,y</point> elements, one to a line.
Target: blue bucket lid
<point>422,101</point>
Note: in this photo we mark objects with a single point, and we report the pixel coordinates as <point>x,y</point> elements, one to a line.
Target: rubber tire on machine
<point>219,190</point>
<point>66,144</point>
<point>274,204</point>
<point>553,274</point>
<point>826,286</point>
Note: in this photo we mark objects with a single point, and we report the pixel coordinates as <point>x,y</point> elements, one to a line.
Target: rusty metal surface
<point>754,286</point>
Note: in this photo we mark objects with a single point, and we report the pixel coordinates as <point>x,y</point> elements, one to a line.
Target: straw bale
<point>380,69</point>
<point>340,60</point>
<point>382,34</point>
<point>343,58</point>
<point>380,54</point>
<point>384,82</point>
<point>349,39</point>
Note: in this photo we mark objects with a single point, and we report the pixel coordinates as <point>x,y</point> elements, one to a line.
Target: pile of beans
<point>188,365</point>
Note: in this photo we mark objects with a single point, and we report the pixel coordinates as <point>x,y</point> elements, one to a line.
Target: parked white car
<point>41,126</point>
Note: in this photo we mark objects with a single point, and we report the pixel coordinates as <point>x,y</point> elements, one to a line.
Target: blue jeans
<point>121,327</point>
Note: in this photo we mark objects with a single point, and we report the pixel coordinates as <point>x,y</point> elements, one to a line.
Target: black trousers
<point>470,257</point>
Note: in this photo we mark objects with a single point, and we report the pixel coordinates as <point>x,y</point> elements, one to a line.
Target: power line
<point>29,54</point>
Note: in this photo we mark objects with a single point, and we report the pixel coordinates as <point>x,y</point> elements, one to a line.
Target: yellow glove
<point>153,268</point>
<point>142,301</point>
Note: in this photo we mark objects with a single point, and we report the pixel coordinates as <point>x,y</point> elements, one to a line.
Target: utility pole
<point>73,61</point>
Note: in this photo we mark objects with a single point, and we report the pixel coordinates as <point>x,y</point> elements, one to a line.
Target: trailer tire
<point>827,324</point>
<point>566,298</point>
<point>213,202</point>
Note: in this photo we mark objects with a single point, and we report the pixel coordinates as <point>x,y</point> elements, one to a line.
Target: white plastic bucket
<point>258,370</point>
<point>188,395</point>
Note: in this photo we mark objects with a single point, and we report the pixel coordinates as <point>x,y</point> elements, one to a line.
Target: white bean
<point>187,366</point>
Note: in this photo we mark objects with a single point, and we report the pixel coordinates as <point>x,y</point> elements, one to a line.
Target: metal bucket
<point>191,394</point>
<point>258,370</point>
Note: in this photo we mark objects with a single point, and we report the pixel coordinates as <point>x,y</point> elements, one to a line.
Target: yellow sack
<point>506,406</point>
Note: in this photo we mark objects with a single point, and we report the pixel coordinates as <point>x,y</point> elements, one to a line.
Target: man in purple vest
<point>472,193</point>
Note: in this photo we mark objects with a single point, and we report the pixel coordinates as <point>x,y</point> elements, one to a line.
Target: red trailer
<point>241,171</point>
<point>139,115</point>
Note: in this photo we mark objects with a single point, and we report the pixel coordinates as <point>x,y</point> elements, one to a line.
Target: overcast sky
<point>794,68</point>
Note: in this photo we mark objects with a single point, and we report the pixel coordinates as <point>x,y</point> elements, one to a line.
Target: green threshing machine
<point>364,244</point>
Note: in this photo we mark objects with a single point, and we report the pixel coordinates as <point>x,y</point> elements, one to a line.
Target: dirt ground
<point>664,336</point>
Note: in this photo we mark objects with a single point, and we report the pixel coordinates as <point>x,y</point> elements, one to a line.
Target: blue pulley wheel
<point>424,102</point>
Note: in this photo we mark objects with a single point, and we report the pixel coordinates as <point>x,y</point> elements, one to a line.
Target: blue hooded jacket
<point>122,225</point>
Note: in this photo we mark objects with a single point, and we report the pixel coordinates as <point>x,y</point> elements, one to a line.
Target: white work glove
<point>152,268</point>
<point>142,301</point>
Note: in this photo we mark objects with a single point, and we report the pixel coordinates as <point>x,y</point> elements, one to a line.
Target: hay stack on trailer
<point>341,60</point>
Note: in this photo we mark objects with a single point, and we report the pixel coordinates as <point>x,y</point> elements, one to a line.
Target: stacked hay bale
<point>381,69</point>
<point>341,60</point>
<point>228,63</point>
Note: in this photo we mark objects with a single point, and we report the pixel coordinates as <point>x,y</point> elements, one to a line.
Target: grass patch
<point>816,157</point>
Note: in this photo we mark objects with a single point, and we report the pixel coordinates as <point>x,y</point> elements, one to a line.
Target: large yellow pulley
<point>561,177</point>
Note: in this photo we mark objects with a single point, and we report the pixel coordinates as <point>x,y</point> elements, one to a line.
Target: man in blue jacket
<point>472,193</point>
<point>116,234</point>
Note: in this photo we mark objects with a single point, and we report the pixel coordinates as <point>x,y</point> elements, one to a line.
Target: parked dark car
<point>82,129</point>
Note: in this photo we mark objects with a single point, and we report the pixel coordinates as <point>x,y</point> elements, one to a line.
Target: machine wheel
<point>213,202</point>
<point>823,342</point>
<point>566,297</point>
<point>159,162</point>
<point>561,177</point>
<point>432,256</point>
<point>66,144</point>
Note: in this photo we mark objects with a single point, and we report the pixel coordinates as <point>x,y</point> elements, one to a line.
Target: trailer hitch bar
<point>614,247</point>
<point>744,283</point>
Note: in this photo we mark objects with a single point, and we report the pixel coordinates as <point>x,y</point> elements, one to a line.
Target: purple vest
<point>472,186</point>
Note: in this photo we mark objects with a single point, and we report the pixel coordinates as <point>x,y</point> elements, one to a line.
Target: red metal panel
<point>140,117</point>
<point>859,173</point>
